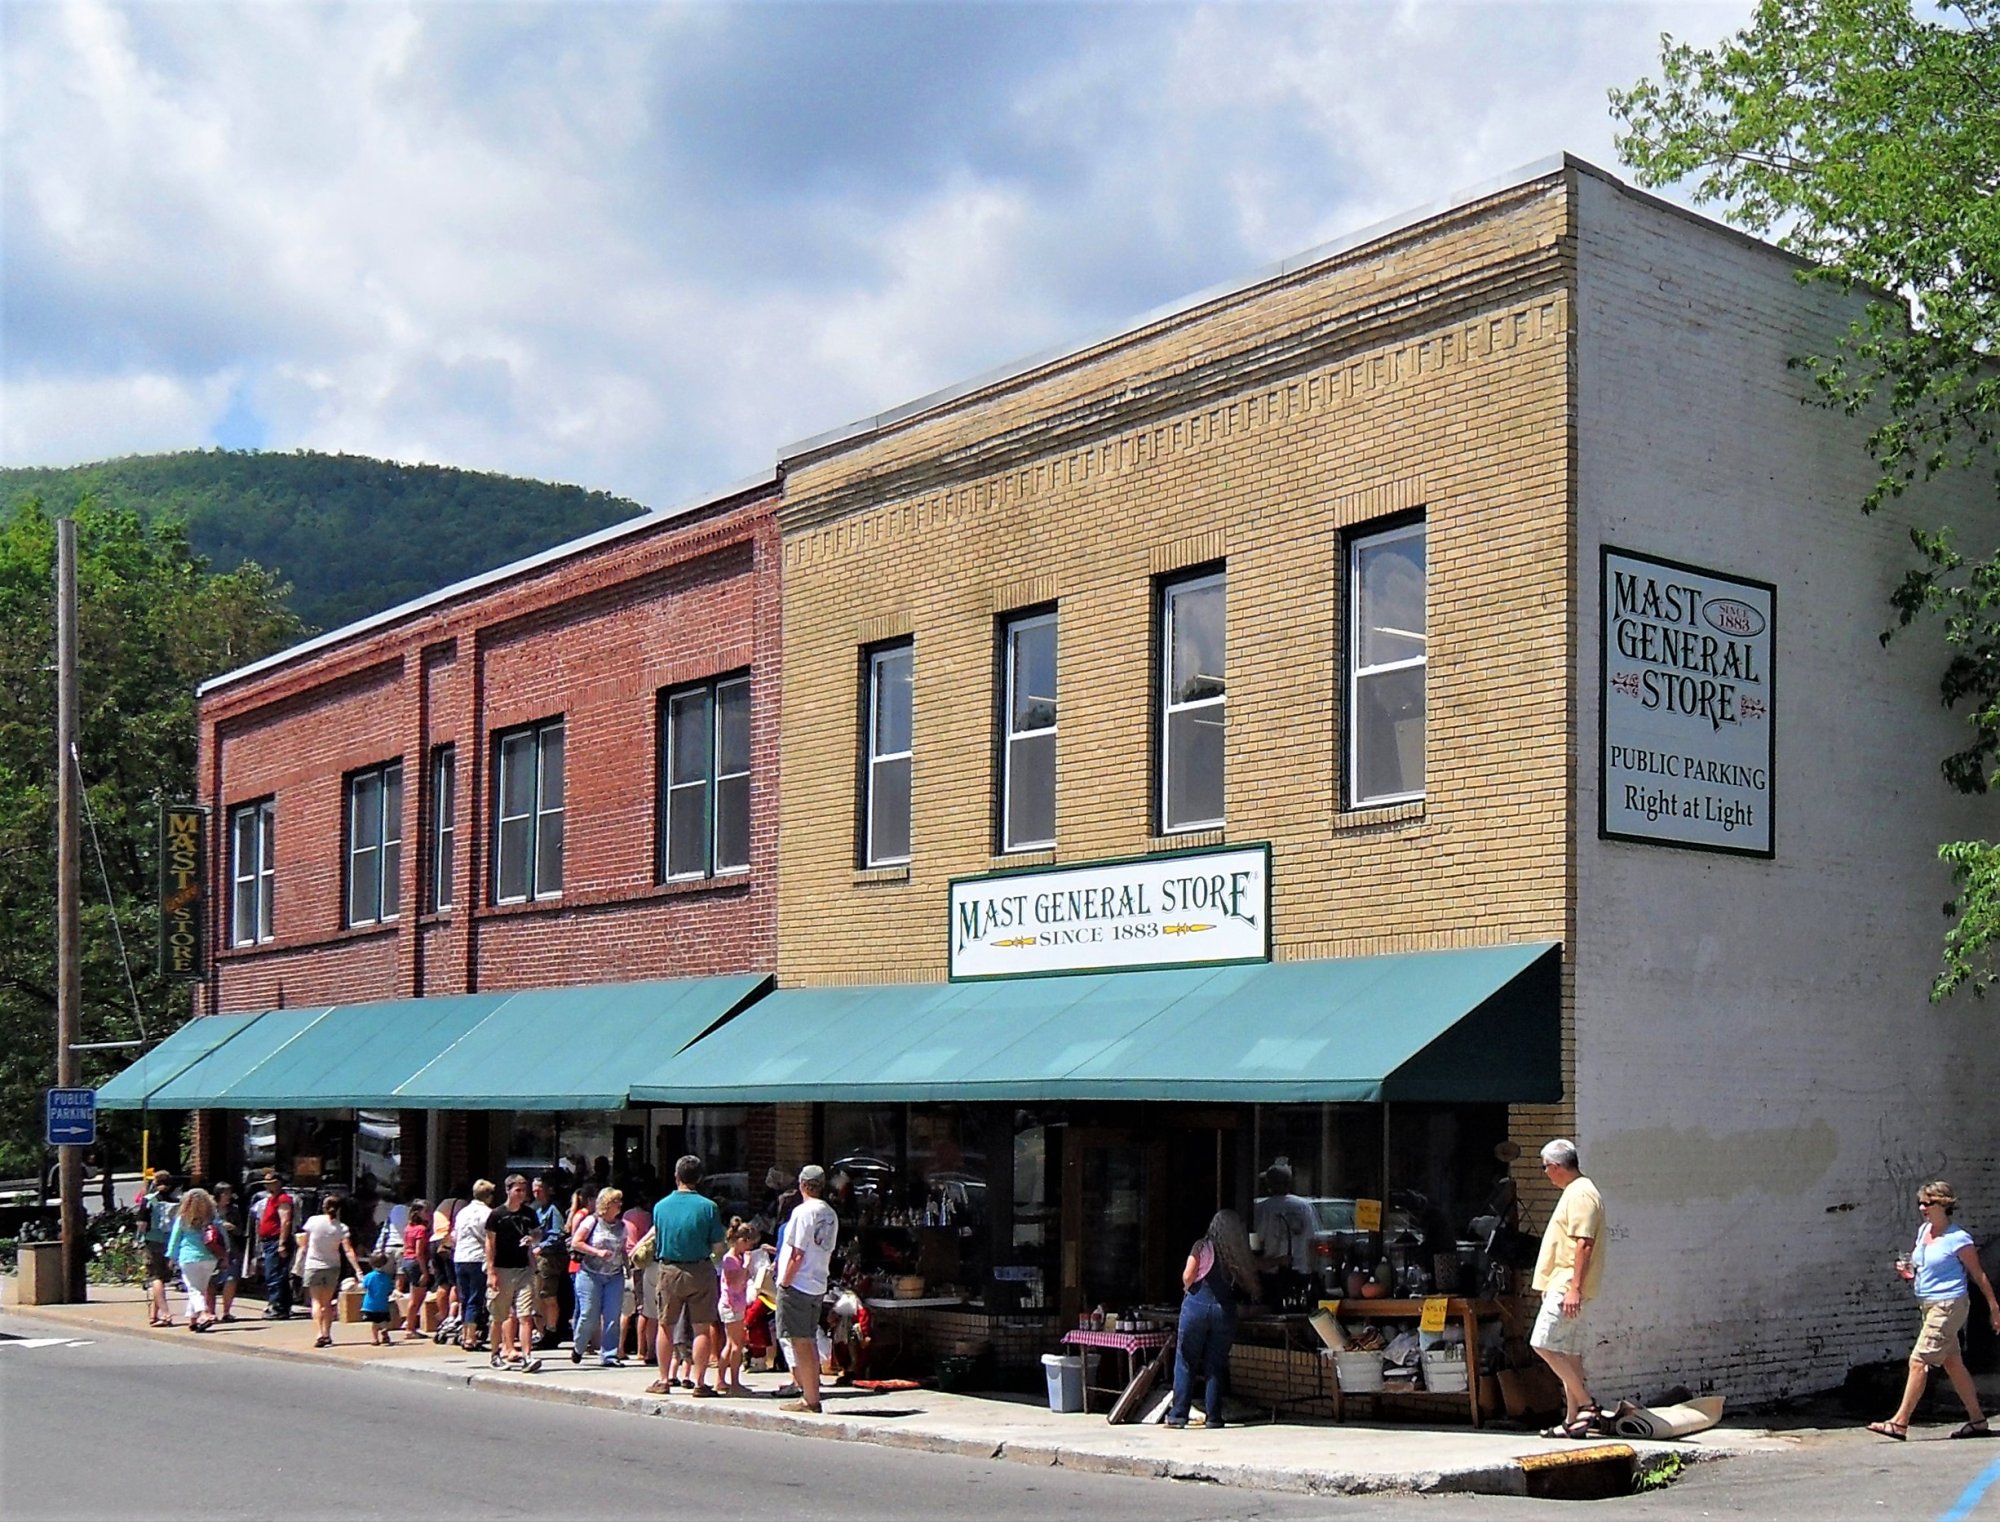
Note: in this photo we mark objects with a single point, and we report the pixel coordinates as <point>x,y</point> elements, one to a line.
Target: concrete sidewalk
<point>1311,1457</point>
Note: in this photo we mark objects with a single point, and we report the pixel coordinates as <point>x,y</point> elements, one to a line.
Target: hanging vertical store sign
<point>1184,908</point>
<point>1688,702</point>
<point>183,846</point>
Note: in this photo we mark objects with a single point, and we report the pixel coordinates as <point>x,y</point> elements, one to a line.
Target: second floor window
<point>444,828</point>
<point>253,831</point>
<point>1028,756</point>
<point>1388,644</point>
<point>1194,695</point>
<point>528,813</point>
<point>886,823</point>
<point>375,844</point>
<point>705,746</point>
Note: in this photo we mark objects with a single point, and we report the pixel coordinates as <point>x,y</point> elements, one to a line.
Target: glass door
<point>1111,1248</point>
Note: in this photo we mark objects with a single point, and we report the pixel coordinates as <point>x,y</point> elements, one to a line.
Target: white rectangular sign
<point>1688,700</point>
<point>1159,911</point>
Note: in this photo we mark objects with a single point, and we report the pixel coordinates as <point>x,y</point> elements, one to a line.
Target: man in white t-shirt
<point>468,1257</point>
<point>804,1262</point>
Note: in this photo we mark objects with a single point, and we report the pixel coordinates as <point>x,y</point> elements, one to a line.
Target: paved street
<point>168,1424</point>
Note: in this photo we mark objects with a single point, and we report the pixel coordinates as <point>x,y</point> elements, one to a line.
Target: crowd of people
<point>515,1272</point>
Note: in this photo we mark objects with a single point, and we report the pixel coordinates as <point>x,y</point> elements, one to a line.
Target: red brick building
<point>561,772</point>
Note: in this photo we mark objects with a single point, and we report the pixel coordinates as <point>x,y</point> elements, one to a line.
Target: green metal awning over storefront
<point>133,1088</point>
<point>1481,1024</point>
<point>575,1048</point>
<point>542,1049</point>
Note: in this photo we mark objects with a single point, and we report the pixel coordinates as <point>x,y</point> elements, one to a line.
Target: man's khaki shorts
<point>1557,1332</point>
<point>1943,1321</point>
<point>515,1295</point>
<point>690,1287</point>
<point>550,1271</point>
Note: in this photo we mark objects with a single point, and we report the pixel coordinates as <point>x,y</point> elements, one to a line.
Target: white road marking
<point>46,1342</point>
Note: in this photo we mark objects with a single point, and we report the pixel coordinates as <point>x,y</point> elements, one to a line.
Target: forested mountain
<point>352,535</point>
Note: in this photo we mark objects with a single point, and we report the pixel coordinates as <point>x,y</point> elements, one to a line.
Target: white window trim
<point>1010,630</point>
<point>262,874</point>
<point>379,850</point>
<point>535,815</point>
<point>711,779</point>
<point>443,826</point>
<point>1168,707</point>
<point>875,758</point>
<point>1357,673</point>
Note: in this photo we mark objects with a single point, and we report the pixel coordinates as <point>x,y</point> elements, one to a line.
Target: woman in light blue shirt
<point>194,1244</point>
<point>1942,1268</point>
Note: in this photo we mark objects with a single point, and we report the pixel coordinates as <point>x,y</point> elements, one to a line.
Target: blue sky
<point>641,247</point>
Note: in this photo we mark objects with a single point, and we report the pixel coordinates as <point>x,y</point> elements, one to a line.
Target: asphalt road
<point>147,1428</point>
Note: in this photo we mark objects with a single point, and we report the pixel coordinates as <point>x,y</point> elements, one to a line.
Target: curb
<point>1508,1478</point>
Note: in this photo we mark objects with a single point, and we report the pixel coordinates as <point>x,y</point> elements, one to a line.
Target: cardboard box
<point>350,1303</point>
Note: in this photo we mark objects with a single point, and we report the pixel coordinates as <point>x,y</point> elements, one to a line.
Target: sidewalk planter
<point>1065,1377</point>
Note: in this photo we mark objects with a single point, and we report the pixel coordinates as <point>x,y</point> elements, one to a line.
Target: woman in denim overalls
<point>1219,1275</point>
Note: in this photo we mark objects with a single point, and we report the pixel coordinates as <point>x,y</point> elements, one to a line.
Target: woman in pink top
<point>740,1244</point>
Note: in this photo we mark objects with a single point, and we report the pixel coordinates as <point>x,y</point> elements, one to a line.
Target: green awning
<point>541,1049</point>
<point>358,1055</point>
<point>206,1083</point>
<point>133,1089</point>
<point>575,1048</point>
<point>1481,1024</point>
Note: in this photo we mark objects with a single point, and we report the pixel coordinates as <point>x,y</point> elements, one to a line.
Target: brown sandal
<point>1973,1429</point>
<point>1890,1430</point>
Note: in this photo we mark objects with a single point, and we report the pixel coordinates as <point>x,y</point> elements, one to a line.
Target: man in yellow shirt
<point>1566,1274</point>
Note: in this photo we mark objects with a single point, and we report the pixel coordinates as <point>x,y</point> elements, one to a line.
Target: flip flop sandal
<point>1974,1429</point>
<point>1890,1430</point>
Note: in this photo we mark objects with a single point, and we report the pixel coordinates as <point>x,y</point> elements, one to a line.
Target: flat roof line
<point>610,534</point>
<point>1541,168</point>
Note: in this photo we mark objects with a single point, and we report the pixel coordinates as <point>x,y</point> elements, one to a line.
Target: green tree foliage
<point>152,622</point>
<point>1867,138</point>
<point>352,535</point>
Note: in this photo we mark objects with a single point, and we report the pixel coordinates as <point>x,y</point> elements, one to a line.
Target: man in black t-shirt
<point>511,1235</point>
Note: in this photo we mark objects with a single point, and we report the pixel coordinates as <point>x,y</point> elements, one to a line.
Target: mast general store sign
<point>1191,908</point>
<point>1687,699</point>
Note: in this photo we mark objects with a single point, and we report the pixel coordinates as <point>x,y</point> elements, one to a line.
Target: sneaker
<point>611,1363</point>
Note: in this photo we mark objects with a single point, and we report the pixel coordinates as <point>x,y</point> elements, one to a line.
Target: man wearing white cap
<point>804,1262</point>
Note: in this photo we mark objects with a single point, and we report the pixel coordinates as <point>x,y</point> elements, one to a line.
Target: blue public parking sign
<point>72,1117</point>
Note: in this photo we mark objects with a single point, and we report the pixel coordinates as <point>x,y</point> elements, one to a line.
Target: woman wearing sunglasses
<point>1942,1267</point>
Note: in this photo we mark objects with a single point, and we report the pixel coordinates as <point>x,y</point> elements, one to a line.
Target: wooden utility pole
<point>69,973</point>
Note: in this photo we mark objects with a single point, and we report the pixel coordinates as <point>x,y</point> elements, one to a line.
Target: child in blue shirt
<point>376,1287</point>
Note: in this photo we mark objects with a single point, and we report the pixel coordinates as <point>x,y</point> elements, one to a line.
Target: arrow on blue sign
<point>72,1119</point>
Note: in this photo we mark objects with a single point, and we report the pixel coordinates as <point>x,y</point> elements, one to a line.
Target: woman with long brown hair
<point>1220,1274</point>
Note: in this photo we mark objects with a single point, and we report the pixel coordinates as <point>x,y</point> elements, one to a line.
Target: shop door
<point>628,1152</point>
<point>1112,1239</point>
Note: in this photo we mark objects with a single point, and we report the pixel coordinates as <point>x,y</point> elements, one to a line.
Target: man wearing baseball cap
<point>804,1262</point>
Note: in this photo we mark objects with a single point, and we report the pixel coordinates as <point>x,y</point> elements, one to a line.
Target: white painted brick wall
<point>1761,1083</point>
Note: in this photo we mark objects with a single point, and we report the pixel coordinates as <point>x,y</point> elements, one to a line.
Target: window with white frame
<point>528,813</point>
<point>444,827</point>
<point>886,814</point>
<point>253,833</point>
<point>1028,751</point>
<point>375,844</point>
<point>1387,641</point>
<point>1193,697</point>
<point>705,770</point>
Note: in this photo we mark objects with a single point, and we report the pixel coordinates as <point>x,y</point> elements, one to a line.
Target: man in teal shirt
<point>688,1229</point>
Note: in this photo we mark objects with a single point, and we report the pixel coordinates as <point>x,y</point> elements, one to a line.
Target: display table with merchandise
<point>1130,1344</point>
<point>1469,1314</point>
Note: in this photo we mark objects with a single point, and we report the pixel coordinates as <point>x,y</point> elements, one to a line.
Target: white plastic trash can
<point>1065,1382</point>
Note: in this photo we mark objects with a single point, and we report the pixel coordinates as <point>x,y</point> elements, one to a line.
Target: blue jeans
<point>599,1298</point>
<point>471,1295</point>
<point>1207,1331</point>
<point>277,1279</point>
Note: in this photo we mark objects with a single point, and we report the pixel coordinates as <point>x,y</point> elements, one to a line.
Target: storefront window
<point>716,1134</point>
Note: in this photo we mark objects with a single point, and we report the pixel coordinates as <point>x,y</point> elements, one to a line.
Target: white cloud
<point>521,238</point>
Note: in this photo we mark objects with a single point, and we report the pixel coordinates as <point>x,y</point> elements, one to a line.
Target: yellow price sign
<point>1433,1317</point>
<point>1367,1215</point>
